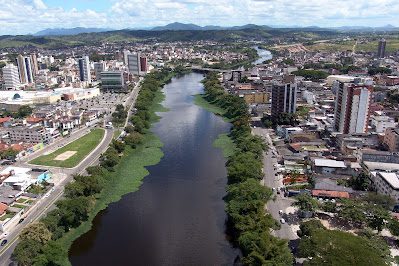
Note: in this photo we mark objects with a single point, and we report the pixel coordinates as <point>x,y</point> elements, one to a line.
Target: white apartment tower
<point>352,108</point>
<point>11,77</point>
<point>84,69</point>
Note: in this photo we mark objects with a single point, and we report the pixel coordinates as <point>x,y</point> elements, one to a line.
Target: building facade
<point>284,96</point>
<point>98,68</point>
<point>113,81</point>
<point>11,77</point>
<point>381,48</point>
<point>352,108</point>
<point>33,134</point>
<point>25,70</point>
<point>136,63</point>
<point>391,139</point>
<point>84,69</point>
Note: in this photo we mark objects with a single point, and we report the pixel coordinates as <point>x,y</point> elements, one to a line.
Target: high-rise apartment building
<point>11,77</point>
<point>352,108</point>
<point>98,68</point>
<point>381,48</point>
<point>35,65</point>
<point>137,64</point>
<point>84,69</point>
<point>284,96</point>
<point>25,70</point>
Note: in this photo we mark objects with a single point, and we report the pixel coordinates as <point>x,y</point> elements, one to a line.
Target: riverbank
<point>246,197</point>
<point>121,171</point>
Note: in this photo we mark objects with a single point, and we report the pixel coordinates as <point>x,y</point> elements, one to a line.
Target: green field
<point>362,46</point>
<point>83,146</point>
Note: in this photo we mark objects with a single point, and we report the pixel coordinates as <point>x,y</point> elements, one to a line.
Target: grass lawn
<point>226,144</point>
<point>7,215</point>
<point>18,206</point>
<point>83,146</point>
<point>29,201</point>
<point>21,200</point>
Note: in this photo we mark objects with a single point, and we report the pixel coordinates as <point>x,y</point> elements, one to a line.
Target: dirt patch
<point>65,156</point>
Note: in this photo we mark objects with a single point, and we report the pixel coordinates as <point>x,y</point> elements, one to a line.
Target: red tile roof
<point>3,208</point>
<point>4,119</point>
<point>330,194</point>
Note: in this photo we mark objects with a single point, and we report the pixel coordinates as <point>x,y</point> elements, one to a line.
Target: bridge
<point>205,69</point>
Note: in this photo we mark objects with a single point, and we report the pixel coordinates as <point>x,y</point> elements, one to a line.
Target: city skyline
<point>30,16</point>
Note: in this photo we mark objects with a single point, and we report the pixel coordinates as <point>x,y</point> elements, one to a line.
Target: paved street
<point>273,181</point>
<point>45,204</point>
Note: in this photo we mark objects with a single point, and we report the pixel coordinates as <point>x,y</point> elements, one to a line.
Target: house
<point>328,166</point>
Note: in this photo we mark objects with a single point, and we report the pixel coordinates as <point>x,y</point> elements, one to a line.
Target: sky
<point>30,16</point>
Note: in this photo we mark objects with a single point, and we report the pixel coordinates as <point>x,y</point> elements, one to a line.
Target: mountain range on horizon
<point>177,26</point>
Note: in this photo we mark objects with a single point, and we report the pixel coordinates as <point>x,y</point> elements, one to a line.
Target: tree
<point>243,166</point>
<point>26,252</point>
<point>306,202</point>
<point>74,211</point>
<point>306,228</point>
<point>37,232</point>
<point>360,182</point>
<point>118,145</point>
<point>129,129</point>
<point>83,186</point>
<point>24,111</point>
<point>134,139</point>
<point>382,200</point>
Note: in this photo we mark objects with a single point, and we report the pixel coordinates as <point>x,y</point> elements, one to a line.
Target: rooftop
<point>329,163</point>
<point>391,178</point>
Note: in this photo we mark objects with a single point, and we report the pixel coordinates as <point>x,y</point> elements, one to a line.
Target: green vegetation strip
<point>83,146</point>
<point>226,144</point>
<point>200,100</point>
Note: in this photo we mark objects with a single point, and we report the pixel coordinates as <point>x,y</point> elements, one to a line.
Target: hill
<point>72,31</point>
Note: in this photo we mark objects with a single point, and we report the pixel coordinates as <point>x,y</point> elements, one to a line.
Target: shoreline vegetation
<point>122,169</point>
<point>247,223</point>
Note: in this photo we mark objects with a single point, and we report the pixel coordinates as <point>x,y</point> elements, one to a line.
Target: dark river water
<point>177,216</point>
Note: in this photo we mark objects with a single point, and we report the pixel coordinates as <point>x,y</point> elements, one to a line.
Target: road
<point>45,204</point>
<point>271,180</point>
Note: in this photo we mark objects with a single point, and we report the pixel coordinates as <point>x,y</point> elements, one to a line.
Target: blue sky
<point>29,16</point>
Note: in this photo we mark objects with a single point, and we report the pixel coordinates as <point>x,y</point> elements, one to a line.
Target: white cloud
<point>22,16</point>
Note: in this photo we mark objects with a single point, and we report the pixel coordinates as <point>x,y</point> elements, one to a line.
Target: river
<point>177,216</point>
<point>263,55</point>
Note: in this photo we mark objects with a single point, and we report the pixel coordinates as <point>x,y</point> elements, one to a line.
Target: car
<point>280,212</point>
<point>273,189</point>
<point>3,242</point>
<point>282,221</point>
<point>21,220</point>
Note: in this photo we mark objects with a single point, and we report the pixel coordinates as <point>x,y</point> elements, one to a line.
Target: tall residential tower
<point>84,69</point>
<point>352,108</point>
<point>284,96</point>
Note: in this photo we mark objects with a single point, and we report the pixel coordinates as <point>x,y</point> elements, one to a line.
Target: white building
<point>381,122</point>
<point>11,77</point>
<point>32,134</point>
<point>352,108</point>
<point>84,69</point>
<point>387,184</point>
<point>18,177</point>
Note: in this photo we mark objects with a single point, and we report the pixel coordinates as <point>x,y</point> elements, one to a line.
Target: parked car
<point>280,212</point>
<point>282,221</point>
<point>21,220</point>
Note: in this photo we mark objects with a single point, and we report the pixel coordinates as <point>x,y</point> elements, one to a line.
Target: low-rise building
<point>387,184</point>
<point>32,134</point>
<point>391,139</point>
